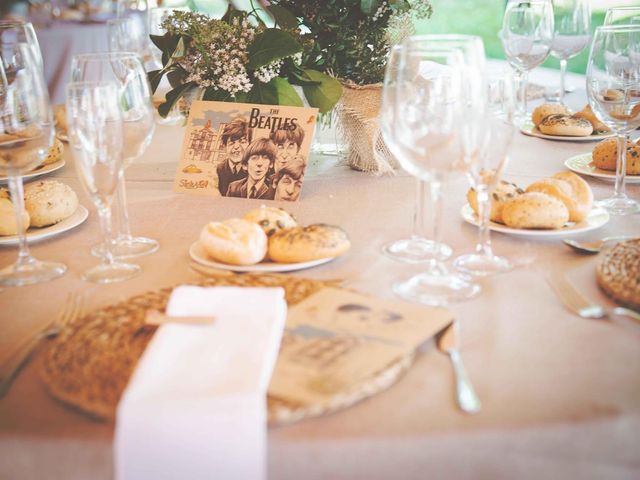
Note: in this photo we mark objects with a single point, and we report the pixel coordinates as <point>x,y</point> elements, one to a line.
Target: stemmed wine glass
<point>20,31</point>
<point>527,34</point>
<point>127,71</point>
<point>127,35</point>
<point>96,136</point>
<point>622,16</point>
<point>488,133</point>
<point>26,134</point>
<point>613,88</point>
<point>572,24</point>
<point>429,107</point>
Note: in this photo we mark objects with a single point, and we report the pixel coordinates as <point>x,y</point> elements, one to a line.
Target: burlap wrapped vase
<point>358,113</point>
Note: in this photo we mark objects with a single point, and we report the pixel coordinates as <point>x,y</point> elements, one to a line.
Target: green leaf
<point>180,49</point>
<point>173,96</point>
<point>325,95</point>
<point>283,17</point>
<point>272,44</point>
<point>160,41</point>
<point>154,76</point>
<point>287,95</point>
<point>176,75</point>
<point>263,93</point>
<point>301,78</point>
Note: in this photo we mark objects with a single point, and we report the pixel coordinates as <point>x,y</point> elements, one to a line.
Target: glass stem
<point>17,198</point>
<point>124,229</point>
<point>418,213</point>
<point>621,166</point>
<point>484,212</point>
<point>435,265</point>
<point>563,71</point>
<point>105,224</point>
<point>521,79</point>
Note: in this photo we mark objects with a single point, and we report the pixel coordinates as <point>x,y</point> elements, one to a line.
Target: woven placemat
<point>89,364</point>
<point>618,273</point>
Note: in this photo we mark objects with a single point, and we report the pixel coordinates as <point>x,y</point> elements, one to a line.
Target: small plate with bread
<point>553,121</point>
<point>51,163</point>
<point>601,162</point>
<point>267,239</point>
<point>559,205</point>
<point>51,208</point>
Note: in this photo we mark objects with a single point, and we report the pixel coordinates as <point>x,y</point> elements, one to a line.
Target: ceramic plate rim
<point>597,172</point>
<point>258,267</point>
<point>532,131</point>
<point>52,167</point>
<point>77,218</point>
<point>469,216</point>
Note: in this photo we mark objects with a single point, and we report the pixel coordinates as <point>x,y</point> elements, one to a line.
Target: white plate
<point>36,234</point>
<point>198,254</point>
<point>52,167</point>
<point>582,164</point>
<point>596,219</point>
<point>529,129</point>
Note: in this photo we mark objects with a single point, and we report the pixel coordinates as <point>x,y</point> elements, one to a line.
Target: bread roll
<point>234,241</point>
<point>49,202</point>
<point>535,210</point>
<point>565,125</point>
<point>582,193</point>
<point>559,189</point>
<point>503,192</point>
<point>588,115</point>
<point>55,153</point>
<point>270,219</point>
<point>303,244</point>
<point>542,111</point>
<point>8,218</point>
<point>605,156</point>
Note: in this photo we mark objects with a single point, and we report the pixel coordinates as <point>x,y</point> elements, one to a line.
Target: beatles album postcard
<point>245,151</point>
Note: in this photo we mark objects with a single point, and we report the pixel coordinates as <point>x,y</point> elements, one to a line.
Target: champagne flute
<point>127,71</point>
<point>26,134</point>
<point>613,88</point>
<point>489,134</point>
<point>429,107</point>
<point>416,248</point>
<point>622,16</point>
<point>572,24</point>
<point>96,137</point>
<point>527,34</point>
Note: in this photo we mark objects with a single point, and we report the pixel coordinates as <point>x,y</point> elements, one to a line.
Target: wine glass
<point>622,16</point>
<point>26,134</point>
<point>488,134</point>
<point>613,88</point>
<point>96,136</point>
<point>572,24</point>
<point>429,108</point>
<point>527,34</point>
<point>125,69</point>
<point>127,35</point>
<point>21,32</point>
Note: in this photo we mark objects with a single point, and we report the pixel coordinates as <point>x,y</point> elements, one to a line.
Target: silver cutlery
<point>447,342</point>
<point>577,303</point>
<point>595,246</point>
<point>8,371</point>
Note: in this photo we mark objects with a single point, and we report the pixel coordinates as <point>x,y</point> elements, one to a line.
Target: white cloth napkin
<point>195,407</point>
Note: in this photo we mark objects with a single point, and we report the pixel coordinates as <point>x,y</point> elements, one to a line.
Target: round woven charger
<point>618,273</point>
<point>89,364</point>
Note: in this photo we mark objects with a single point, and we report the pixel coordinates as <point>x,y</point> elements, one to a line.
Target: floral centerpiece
<point>238,59</point>
<point>351,39</point>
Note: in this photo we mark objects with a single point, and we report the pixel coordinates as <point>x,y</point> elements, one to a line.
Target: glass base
<point>31,272</point>
<point>436,290</point>
<point>116,272</point>
<point>621,205</point>
<point>482,265</point>
<point>416,250</point>
<point>128,247</point>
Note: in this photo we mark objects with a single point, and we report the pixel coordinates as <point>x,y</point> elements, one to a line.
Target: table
<point>61,41</point>
<point>561,395</point>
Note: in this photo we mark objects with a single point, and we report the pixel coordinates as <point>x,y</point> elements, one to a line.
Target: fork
<point>578,304</point>
<point>9,370</point>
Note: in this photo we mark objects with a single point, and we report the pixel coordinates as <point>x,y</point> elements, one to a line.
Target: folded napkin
<point>195,407</point>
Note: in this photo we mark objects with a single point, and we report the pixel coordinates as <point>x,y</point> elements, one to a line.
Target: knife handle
<point>467,398</point>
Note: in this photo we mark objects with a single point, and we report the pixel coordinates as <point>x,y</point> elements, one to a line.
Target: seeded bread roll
<point>270,219</point>
<point>234,241</point>
<point>588,115</point>
<point>618,273</point>
<point>535,210</point>
<point>303,244</point>
<point>55,153</point>
<point>503,192</point>
<point>49,202</point>
<point>543,111</point>
<point>605,156</point>
<point>60,114</point>
<point>8,218</point>
<point>566,126</point>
